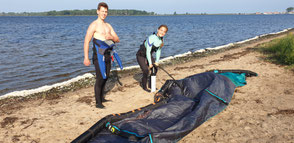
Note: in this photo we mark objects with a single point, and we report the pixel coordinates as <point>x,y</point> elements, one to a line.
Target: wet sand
<point>261,111</point>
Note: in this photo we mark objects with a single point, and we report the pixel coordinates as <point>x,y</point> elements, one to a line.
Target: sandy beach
<point>261,111</point>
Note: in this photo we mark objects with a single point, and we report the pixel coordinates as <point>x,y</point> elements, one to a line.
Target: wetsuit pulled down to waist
<point>102,46</point>
<point>103,50</point>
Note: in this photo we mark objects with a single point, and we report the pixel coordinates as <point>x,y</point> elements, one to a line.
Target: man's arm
<point>113,35</point>
<point>88,37</point>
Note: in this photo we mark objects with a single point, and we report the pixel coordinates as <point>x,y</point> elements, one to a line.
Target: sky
<point>157,6</point>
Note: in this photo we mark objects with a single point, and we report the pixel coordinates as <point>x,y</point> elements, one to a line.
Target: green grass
<point>280,51</point>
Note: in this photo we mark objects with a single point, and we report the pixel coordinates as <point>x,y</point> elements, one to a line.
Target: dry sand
<point>261,111</point>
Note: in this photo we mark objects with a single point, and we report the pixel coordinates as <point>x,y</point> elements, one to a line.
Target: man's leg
<point>99,84</point>
<point>108,67</point>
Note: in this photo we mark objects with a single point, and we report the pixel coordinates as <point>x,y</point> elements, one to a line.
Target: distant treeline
<point>111,12</point>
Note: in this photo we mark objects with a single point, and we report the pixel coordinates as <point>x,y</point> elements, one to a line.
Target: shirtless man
<point>101,31</point>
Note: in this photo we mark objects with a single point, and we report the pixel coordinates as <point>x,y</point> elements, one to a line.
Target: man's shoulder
<point>94,23</point>
<point>108,24</point>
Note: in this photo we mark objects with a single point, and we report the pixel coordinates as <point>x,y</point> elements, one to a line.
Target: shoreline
<point>261,111</point>
<point>19,14</point>
<point>88,79</point>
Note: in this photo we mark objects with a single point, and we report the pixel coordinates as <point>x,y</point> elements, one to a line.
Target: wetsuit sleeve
<point>148,45</point>
<point>158,52</point>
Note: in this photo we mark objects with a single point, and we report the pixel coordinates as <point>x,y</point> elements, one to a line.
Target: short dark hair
<point>102,4</point>
<point>163,26</point>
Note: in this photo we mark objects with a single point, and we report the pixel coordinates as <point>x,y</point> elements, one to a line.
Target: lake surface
<point>38,51</point>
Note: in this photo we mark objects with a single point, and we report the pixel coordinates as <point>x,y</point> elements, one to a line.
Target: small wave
<point>221,47</point>
<point>46,87</point>
<point>183,55</point>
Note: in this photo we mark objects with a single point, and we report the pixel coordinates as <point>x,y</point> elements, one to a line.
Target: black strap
<point>174,80</point>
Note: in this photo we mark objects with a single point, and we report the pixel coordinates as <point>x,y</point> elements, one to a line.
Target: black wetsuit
<point>100,82</point>
<point>142,61</point>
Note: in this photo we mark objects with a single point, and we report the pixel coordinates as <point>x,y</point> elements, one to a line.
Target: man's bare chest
<point>102,29</point>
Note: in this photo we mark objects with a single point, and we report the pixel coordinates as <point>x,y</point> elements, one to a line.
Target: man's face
<point>102,13</point>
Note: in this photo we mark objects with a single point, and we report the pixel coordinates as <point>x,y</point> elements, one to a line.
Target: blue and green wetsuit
<point>151,44</point>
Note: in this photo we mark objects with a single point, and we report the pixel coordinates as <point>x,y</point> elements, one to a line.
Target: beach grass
<point>280,51</point>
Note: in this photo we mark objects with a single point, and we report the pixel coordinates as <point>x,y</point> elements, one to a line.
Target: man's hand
<point>87,62</point>
<point>156,64</point>
<point>109,37</point>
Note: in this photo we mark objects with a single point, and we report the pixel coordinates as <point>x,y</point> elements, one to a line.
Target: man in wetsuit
<point>102,31</point>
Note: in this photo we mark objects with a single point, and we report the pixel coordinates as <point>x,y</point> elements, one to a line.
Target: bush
<point>282,50</point>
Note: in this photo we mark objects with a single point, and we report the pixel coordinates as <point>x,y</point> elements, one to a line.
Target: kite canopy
<point>180,107</point>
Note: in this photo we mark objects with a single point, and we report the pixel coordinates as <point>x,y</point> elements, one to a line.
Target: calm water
<point>37,51</point>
